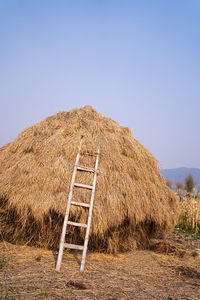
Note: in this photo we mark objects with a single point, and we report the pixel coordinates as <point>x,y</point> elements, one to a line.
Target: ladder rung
<point>85,186</point>
<point>73,246</point>
<point>80,204</point>
<point>77,224</point>
<point>81,168</point>
<point>87,153</point>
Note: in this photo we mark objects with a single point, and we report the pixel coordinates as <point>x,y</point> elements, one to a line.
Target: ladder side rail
<point>90,213</point>
<point>62,241</point>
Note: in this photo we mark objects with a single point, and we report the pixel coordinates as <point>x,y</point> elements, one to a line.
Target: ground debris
<point>141,274</point>
<point>76,285</point>
<point>188,271</point>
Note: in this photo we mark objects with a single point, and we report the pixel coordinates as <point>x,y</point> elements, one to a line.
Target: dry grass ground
<point>29,273</point>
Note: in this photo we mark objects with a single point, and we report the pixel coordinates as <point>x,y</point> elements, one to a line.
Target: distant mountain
<point>179,175</point>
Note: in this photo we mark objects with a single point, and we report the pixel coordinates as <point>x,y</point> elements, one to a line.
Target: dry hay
<point>132,202</point>
<point>188,272</point>
<point>168,247</point>
<point>189,215</point>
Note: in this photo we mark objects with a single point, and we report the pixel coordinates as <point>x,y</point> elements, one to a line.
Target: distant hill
<point>179,174</point>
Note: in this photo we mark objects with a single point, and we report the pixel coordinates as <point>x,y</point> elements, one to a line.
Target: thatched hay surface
<point>132,201</point>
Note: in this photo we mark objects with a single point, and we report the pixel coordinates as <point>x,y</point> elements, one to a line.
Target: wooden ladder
<point>63,245</point>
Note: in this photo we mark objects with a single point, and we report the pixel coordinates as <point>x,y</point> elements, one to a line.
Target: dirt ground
<point>170,271</point>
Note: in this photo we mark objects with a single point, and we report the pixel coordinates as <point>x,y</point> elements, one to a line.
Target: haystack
<point>132,202</point>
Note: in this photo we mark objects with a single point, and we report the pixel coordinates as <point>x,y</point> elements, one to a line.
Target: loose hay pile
<point>132,202</point>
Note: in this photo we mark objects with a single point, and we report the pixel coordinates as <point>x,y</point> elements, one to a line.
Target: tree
<point>189,183</point>
<point>169,183</point>
<point>179,187</point>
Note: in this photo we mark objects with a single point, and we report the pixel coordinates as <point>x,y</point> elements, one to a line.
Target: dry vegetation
<point>132,206</point>
<point>189,216</point>
<point>169,270</point>
<point>165,273</point>
<point>132,202</point>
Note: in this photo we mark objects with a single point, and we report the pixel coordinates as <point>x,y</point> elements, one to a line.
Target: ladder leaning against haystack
<point>63,245</point>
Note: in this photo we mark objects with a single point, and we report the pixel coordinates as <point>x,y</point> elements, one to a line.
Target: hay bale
<point>132,202</point>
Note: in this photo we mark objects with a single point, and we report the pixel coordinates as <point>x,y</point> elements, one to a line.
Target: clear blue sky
<point>137,62</point>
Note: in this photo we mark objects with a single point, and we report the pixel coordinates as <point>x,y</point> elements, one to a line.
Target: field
<point>171,270</point>
<point>189,213</point>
